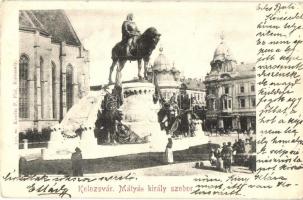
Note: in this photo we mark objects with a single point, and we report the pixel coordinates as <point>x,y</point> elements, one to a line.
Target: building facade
<point>230,93</point>
<point>195,88</point>
<point>170,82</point>
<point>53,68</point>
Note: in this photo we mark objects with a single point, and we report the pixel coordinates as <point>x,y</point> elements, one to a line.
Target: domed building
<point>168,77</point>
<point>223,61</point>
<point>230,93</point>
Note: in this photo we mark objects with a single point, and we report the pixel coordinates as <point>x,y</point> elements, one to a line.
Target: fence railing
<point>29,145</point>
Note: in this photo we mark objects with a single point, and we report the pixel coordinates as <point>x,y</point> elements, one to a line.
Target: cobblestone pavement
<point>188,168</point>
<point>178,169</point>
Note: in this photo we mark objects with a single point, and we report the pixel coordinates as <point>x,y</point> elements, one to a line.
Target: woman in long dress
<point>218,155</point>
<point>169,157</point>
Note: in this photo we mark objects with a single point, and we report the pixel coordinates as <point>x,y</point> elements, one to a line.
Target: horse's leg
<point>139,68</point>
<point>111,70</point>
<point>119,74</point>
<point>146,61</point>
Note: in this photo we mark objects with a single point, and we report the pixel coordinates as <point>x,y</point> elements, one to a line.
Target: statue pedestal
<point>139,113</point>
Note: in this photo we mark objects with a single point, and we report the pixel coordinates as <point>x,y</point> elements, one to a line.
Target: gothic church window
<point>23,87</point>
<point>69,87</point>
<point>42,85</point>
<point>54,89</point>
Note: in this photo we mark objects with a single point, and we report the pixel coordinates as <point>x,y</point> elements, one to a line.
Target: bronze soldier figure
<point>129,31</point>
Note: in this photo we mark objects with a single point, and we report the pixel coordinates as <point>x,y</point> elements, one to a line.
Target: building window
<point>253,102</point>
<point>212,104</point>
<point>242,103</point>
<point>252,88</point>
<point>54,89</point>
<point>225,104</point>
<point>69,87</point>
<point>226,90</point>
<point>23,87</point>
<point>229,103</point>
<point>242,88</point>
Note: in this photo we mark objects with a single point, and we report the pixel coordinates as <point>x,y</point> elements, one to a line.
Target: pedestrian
<point>218,155</point>
<point>212,158</point>
<point>253,145</point>
<point>224,148</point>
<point>228,157</point>
<point>241,152</point>
<point>169,157</point>
<point>77,166</point>
<point>235,148</point>
<point>252,163</point>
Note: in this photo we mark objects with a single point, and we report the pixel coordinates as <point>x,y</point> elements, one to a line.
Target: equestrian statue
<point>133,47</point>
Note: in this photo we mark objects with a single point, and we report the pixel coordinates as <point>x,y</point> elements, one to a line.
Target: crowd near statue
<point>240,153</point>
<point>177,115</point>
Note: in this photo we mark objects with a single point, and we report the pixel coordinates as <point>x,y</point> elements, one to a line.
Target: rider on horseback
<point>129,31</point>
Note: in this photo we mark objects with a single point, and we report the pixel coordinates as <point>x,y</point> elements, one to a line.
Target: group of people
<point>228,131</point>
<point>222,157</point>
<point>177,115</point>
<point>240,153</point>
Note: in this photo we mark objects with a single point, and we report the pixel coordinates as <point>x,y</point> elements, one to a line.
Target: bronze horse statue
<point>142,47</point>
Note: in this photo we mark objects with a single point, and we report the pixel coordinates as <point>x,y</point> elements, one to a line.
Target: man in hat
<point>129,31</point>
<point>77,162</point>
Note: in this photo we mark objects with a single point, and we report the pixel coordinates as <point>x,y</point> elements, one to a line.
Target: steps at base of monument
<point>103,151</point>
<point>118,163</point>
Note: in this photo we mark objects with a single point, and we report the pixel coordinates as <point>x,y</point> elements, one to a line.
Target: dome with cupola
<point>166,75</point>
<point>161,62</point>
<point>222,52</point>
<point>223,63</point>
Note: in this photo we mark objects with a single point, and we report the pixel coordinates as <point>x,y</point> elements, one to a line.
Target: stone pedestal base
<point>139,114</point>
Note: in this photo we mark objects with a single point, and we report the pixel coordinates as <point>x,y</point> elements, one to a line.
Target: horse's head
<point>152,36</point>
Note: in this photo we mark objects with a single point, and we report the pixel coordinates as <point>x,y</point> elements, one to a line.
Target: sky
<point>190,33</point>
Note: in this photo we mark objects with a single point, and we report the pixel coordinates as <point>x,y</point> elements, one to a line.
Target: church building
<point>53,68</point>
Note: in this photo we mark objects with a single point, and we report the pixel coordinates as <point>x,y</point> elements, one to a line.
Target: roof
<point>245,69</point>
<point>53,23</point>
<point>193,84</point>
